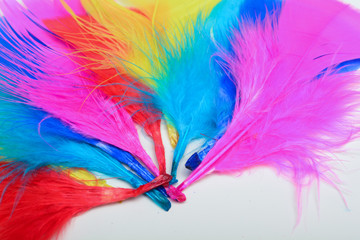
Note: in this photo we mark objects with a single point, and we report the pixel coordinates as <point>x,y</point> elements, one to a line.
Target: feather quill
<point>40,204</point>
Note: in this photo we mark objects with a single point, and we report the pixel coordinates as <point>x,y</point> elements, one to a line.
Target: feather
<point>286,116</point>
<point>25,136</point>
<point>225,106</point>
<point>171,13</point>
<point>111,83</point>
<point>51,125</point>
<point>186,86</point>
<point>222,21</point>
<point>85,177</point>
<point>40,204</point>
<point>95,115</point>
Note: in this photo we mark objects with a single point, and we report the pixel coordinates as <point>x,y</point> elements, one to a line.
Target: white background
<point>256,205</point>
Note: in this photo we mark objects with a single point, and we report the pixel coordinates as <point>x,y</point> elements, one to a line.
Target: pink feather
<point>289,116</point>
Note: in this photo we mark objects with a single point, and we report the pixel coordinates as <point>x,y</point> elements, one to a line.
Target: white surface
<point>256,205</point>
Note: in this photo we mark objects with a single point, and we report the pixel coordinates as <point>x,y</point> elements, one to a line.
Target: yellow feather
<point>86,177</point>
<point>168,12</point>
<point>140,31</point>
<point>173,135</point>
<point>130,29</point>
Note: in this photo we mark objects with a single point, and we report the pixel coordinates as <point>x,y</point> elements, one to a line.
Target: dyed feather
<point>27,135</point>
<point>54,126</point>
<point>30,77</point>
<point>111,83</point>
<point>85,177</point>
<point>40,204</point>
<point>186,87</point>
<point>222,21</point>
<point>171,13</point>
<point>286,116</point>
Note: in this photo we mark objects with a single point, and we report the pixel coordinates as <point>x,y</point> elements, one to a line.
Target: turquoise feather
<point>21,140</point>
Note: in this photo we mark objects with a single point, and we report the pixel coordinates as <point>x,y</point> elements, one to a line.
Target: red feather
<point>37,206</point>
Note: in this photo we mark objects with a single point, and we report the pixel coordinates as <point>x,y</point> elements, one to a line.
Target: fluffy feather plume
<point>110,82</point>
<point>222,21</point>
<point>287,116</point>
<point>186,87</point>
<point>31,78</point>
<point>41,203</point>
<point>29,136</point>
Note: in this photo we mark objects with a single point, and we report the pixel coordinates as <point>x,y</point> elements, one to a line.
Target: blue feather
<point>187,86</point>
<point>20,140</point>
<point>343,67</point>
<point>228,14</point>
<point>55,126</point>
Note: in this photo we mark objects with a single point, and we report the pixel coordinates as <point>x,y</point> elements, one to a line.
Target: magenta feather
<point>287,116</point>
